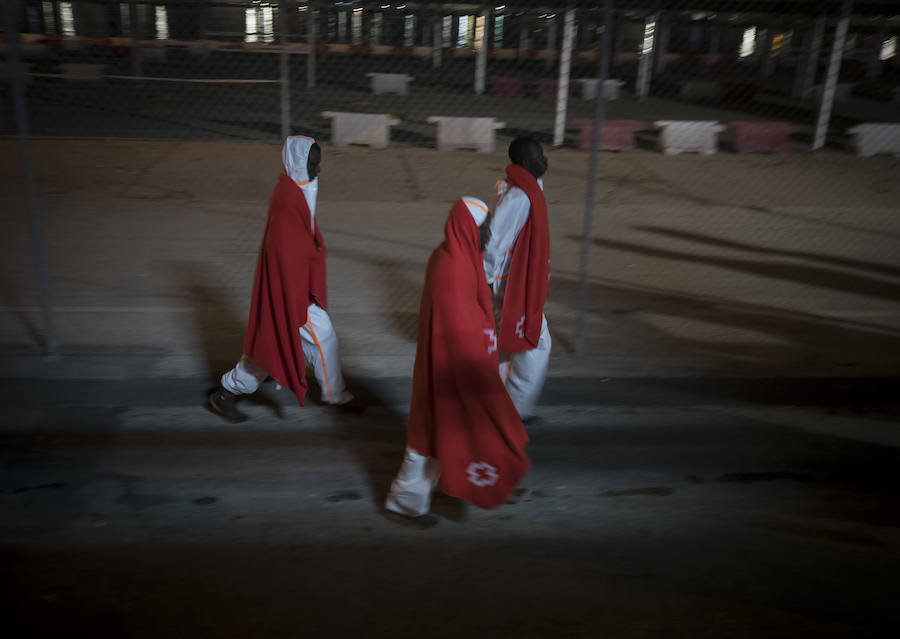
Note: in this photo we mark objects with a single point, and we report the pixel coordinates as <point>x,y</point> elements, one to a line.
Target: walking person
<point>289,327</point>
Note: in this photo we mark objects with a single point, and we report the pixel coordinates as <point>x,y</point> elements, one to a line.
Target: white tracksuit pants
<point>525,372</point>
<point>320,348</point>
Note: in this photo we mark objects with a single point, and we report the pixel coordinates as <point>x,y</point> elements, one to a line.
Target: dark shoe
<point>221,402</point>
<point>353,406</point>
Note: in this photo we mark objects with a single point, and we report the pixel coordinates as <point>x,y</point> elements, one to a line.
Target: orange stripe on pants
<point>312,330</point>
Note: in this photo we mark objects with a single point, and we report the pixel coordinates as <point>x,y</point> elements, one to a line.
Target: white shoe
<point>409,499</point>
<point>411,490</point>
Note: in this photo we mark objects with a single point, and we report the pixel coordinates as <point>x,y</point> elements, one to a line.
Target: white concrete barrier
<point>677,136</point>
<point>390,83</point>
<point>465,133</point>
<point>372,129</point>
<point>82,72</point>
<point>610,88</point>
<point>874,138</point>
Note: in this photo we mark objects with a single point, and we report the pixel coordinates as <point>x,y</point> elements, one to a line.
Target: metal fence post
<point>35,228</point>
<point>645,66</point>
<point>562,92</point>
<point>834,70</point>
<point>481,55</point>
<point>584,269</point>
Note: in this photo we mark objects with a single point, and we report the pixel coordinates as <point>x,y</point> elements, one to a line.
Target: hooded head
<point>479,212</point>
<point>302,158</point>
<point>468,225</point>
<point>528,153</point>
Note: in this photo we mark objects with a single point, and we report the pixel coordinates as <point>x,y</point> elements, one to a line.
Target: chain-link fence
<point>238,70</point>
<point>686,75</point>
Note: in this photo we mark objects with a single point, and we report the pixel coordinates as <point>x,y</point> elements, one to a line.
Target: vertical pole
<point>812,66</point>
<point>834,69</point>
<point>284,68</point>
<point>648,41</point>
<point>562,92</point>
<point>481,55</point>
<point>35,228</point>
<point>311,24</point>
<point>588,240</point>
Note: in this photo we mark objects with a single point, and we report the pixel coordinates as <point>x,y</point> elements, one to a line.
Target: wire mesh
<point>220,70</point>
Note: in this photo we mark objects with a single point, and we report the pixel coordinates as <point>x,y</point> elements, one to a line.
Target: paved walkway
<point>723,265</point>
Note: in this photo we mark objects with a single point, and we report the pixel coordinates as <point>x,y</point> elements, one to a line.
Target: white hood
<point>294,156</point>
<point>477,208</point>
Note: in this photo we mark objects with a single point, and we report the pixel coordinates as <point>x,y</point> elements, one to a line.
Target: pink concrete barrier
<point>761,137</point>
<point>615,135</point>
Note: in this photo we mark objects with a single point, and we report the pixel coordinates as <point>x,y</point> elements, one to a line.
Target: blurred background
<point>219,70</point>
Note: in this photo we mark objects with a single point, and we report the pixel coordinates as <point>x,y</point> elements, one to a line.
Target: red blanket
<point>529,271</point>
<point>290,275</point>
<point>461,413</point>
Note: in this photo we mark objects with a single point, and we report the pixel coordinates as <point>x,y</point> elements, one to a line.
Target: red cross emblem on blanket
<point>520,327</point>
<point>492,339</point>
<point>482,474</point>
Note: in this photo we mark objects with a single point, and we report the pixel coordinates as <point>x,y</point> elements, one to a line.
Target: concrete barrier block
<point>615,135</point>
<point>761,137</point>
<point>611,88</point>
<point>698,136</point>
<point>874,138</point>
<point>458,133</point>
<point>372,129</point>
<point>390,83</point>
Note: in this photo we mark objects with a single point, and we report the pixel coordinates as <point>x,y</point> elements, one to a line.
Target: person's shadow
<point>220,332</point>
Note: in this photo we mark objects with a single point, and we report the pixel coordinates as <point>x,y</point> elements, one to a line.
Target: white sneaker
<point>409,499</point>
<point>411,490</point>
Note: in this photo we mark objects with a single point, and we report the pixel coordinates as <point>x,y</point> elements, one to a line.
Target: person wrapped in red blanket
<point>517,266</point>
<point>289,327</point>
<point>463,428</point>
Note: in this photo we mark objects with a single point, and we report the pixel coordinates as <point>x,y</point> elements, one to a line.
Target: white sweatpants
<point>320,348</point>
<point>525,372</point>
